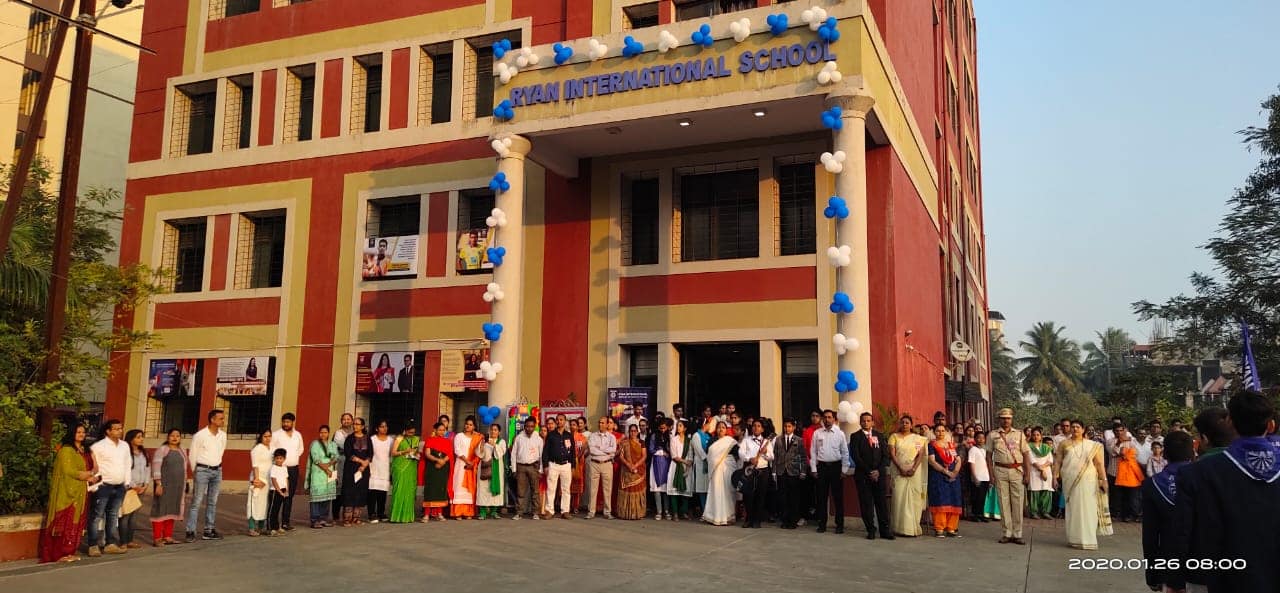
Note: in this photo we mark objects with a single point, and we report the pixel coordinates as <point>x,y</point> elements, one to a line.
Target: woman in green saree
<point>68,492</point>
<point>404,475</point>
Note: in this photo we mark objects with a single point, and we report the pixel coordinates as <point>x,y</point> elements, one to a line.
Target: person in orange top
<point>462,494</point>
<point>1128,475</point>
<point>579,481</point>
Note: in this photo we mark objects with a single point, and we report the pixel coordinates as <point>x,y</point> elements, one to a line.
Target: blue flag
<point>1249,372</point>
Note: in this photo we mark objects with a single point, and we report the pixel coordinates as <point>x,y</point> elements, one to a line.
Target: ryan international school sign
<point>783,56</point>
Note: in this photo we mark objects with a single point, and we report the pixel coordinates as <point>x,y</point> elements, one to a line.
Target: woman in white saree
<point>1083,479</point>
<point>721,464</point>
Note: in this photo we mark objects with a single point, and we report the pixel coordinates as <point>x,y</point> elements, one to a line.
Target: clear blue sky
<point>1109,148</point>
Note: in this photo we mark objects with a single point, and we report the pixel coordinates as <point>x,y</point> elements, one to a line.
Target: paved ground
<point>586,556</point>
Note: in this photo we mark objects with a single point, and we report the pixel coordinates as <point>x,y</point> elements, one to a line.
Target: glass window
<point>260,253</point>
<point>366,94</point>
<point>696,9</point>
<point>300,94</point>
<point>640,222</point>
<point>441,87</point>
<point>237,7</point>
<point>484,81</point>
<point>184,253</point>
<point>796,217</point>
<point>644,366</point>
<point>394,217</point>
<point>195,116</point>
<point>719,215</point>
<point>239,112</point>
<point>641,15</point>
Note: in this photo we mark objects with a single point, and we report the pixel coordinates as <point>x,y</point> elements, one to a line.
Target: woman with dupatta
<point>1083,479</point>
<point>944,484</point>
<point>169,471</point>
<point>680,476</point>
<point>358,450</point>
<point>68,493</point>
<point>700,469</point>
<point>462,483</point>
<point>631,489</point>
<point>404,475</point>
<point>1040,488</point>
<point>437,457</point>
<point>907,451</point>
<point>322,476</point>
<point>721,462</point>
<point>579,481</point>
<point>490,495</point>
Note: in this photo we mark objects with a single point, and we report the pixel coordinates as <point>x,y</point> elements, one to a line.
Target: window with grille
<point>478,81</point>
<point>239,112</point>
<point>484,81</point>
<point>640,16</point>
<point>260,250</point>
<point>640,220</point>
<point>182,413</point>
<point>797,194</point>
<point>393,217</point>
<point>194,107</point>
<point>247,414</point>
<point>697,9</point>
<point>30,88</point>
<point>366,93</point>
<point>183,253</point>
<point>719,214</point>
<point>238,7</point>
<point>799,378</point>
<point>644,366</point>
<point>474,206</point>
<point>299,103</point>
<point>435,84</point>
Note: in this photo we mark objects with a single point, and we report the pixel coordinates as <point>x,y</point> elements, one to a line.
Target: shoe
<point>565,516</point>
<point>940,535</point>
<point>515,517</point>
<point>158,543</point>
<point>191,536</point>
<point>800,523</point>
<point>590,516</point>
<point>888,536</point>
<point>954,534</point>
<point>376,521</point>
<point>822,529</point>
<point>746,525</point>
<point>608,516</point>
<point>657,517</point>
<point>94,552</point>
<point>213,534</point>
<point>1018,540</point>
<point>287,527</point>
<point>254,533</point>
<point>871,535</point>
<point>133,545</point>
<point>839,531</point>
<point>113,549</point>
<point>537,517</point>
<point>316,525</point>
<point>1004,540</point>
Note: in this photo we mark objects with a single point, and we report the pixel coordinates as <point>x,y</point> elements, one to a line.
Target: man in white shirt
<point>291,441</point>
<point>113,460</point>
<point>637,415</point>
<point>828,462</point>
<point>756,454</point>
<point>602,448</point>
<point>526,463</point>
<point>207,447</point>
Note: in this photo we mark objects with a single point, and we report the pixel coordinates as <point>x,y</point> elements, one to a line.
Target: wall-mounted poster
<point>458,370</point>
<point>623,399</point>
<point>472,250</point>
<point>173,377</point>
<point>390,257</point>
<point>385,372</point>
<point>244,376</point>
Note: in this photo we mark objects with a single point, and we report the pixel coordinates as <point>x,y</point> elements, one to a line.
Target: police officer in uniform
<point>1008,458</point>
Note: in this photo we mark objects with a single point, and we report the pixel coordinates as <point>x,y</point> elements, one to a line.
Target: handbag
<point>486,470</point>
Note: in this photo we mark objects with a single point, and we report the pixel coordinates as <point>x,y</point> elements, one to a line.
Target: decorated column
<point>849,253</point>
<point>506,252</point>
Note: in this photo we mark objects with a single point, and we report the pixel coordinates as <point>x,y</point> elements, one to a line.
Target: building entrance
<point>715,374</point>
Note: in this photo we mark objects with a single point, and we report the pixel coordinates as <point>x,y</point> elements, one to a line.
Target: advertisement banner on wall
<point>458,370</point>
<point>390,257</point>
<point>472,250</point>
<point>623,399</point>
<point>173,377</point>
<point>571,413</point>
<point>244,376</point>
<point>384,372</point>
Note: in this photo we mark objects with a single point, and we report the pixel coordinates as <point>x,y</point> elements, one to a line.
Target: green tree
<point>1004,374</point>
<point>1051,368</point>
<point>1105,357</point>
<point>1246,260</point>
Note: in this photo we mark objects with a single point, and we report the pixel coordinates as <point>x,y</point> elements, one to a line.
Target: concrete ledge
<point>20,536</point>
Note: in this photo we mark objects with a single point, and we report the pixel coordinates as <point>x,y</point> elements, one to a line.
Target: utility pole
<point>64,231</point>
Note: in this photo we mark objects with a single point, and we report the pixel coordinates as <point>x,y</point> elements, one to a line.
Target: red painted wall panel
<point>881,309</point>
<point>398,112</point>
<point>221,241</point>
<point>331,119</point>
<point>438,254</point>
<point>216,313</point>
<point>267,109</point>
<point>423,302</point>
<point>430,392</point>
<point>313,17</point>
<point>719,287</point>
<point>565,283</point>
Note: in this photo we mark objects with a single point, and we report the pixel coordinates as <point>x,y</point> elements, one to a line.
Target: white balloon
<point>834,163</point>
<point>839,156</point>
<point>488,297</point>
<point>829,74</point>
<point>501,148</point>
<point>667,41</point>
<point>596,50</point>
<point>741,29</point>
<point>840,343</point>
<point>824,77</point>
<point>491,222</point>
<point>856,407</point>
<point>814,17</point>
<point>844,405</point>
<point>497,367</point>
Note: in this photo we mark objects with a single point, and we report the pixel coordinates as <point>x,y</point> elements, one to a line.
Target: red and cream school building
<point>431,207</point>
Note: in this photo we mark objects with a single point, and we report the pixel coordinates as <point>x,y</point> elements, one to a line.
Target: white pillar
<point>668,392</point>
<point>771,381</point>
<point>851,184</point>
<point>505,389</point>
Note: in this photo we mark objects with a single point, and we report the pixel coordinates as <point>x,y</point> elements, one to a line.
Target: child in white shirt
<point>279,482</point>
<point>981,477</point>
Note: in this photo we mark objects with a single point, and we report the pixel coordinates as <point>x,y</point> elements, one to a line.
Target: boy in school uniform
<point>279,476</point>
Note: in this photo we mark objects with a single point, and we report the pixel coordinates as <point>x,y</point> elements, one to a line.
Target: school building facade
<point>344,196</point>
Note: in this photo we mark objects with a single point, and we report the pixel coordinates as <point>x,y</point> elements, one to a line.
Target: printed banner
<point>570,413</point>
<point>173,377</point>
<point>390,257</point>
<point>472,250</point>
<point>458,369</point>
<point>622,399</point>
<point>244,376</point>
<point>385,372</point>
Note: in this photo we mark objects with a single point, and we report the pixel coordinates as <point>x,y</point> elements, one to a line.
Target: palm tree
<point>24,281</point>
<point>1052,365</point>
<point>1004,373</point>
<point>1105,356</point>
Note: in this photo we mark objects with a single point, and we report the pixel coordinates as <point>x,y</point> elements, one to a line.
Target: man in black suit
<point>1227,507</point>
<point>406,375</point>
<point>789,463</point>
<point>871,471</point>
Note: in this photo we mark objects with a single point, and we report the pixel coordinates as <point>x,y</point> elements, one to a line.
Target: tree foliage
<point>1104,357</point>
<point>1051,368</point>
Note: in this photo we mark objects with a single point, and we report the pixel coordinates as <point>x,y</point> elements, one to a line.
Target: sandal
<point>70,558</point>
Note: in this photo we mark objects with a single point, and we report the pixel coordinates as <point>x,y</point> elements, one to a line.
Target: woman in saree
<point>169,472</point>
<point>322,477</point>
<point>358,453</point>
<point>945,500</point>
<point>579,481</point>
<point>437,454</point>
<point>1040,486</point>
<point>1080,474</point>
<point>722,462</point>
<point>907,451</point>
<point>259,484</point>
<point>462,482</point>
<point>404,475</point>
<point>631,490</point>
<point>680,475</point>
<point>68,495</point>
<point>490,494</point>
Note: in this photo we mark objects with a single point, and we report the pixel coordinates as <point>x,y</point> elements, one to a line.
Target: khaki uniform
<point>1003,449</point>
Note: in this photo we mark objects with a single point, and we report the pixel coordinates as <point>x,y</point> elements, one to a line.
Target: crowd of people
<point>720,468</point>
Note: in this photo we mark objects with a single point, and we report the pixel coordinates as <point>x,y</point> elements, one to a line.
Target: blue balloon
<point>631,47</point>
<point>828,31</point>
<point>492,331</point>
<point>846,381</point>
<point>703,36</point>
<point>499,183</point>
<point>836,208</point>
<point>841,303</point>
<point>563,53</point>
<point>495,255</point>
<point>777,23</point>
<point>501,47</point>
<point>831,118</point>
<point>504,110</point>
